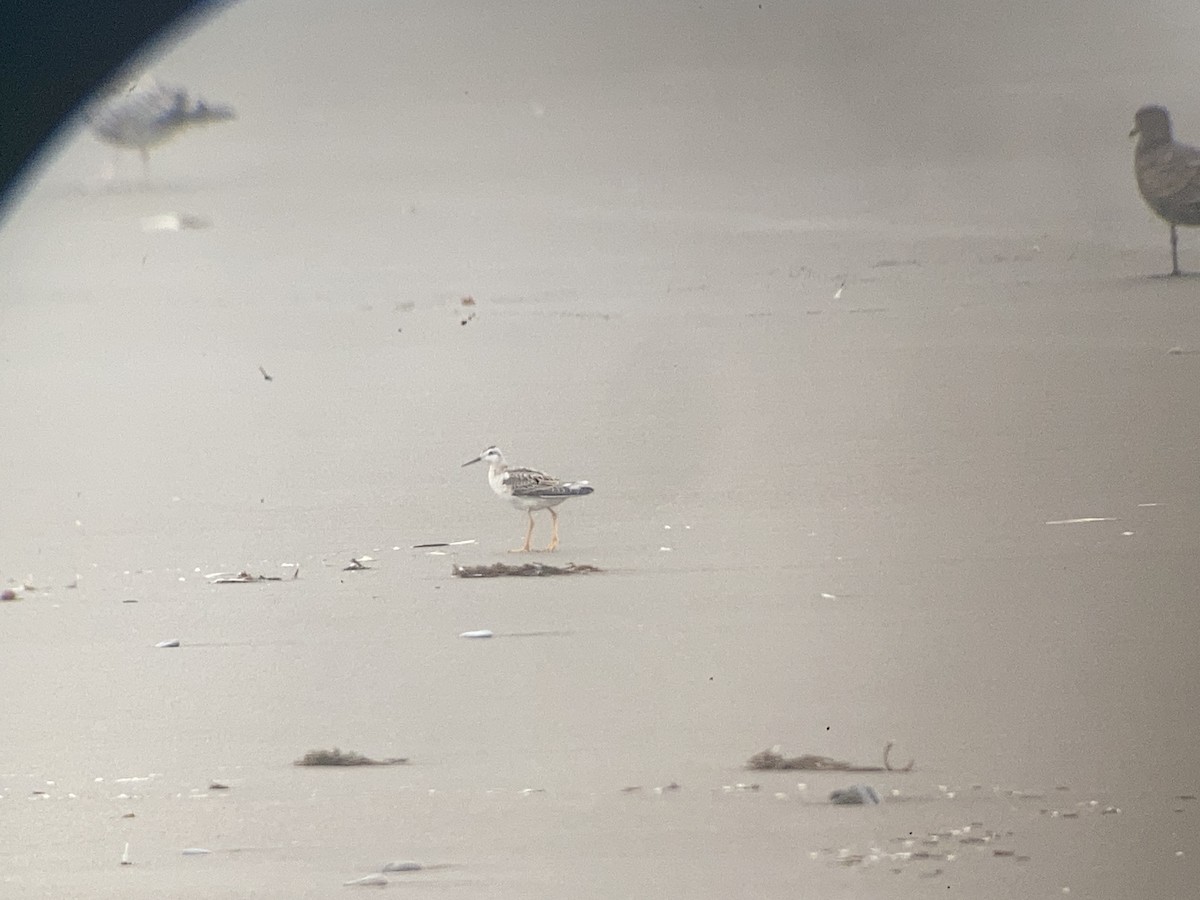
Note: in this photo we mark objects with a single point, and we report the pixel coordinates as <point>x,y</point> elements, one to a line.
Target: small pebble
<point>858,794</point>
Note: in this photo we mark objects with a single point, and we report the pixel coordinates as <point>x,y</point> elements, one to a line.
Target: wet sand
<point>832,346</point>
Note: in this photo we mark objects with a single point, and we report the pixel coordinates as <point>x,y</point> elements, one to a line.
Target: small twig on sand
<point>887,751</point>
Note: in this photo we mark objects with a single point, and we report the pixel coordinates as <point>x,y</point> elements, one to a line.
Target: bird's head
<point>204,112</point>
<point>490,455</point>
<point>1152,124</point>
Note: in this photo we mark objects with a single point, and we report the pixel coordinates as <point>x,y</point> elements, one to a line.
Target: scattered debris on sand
<point>496,570</point>
<point>265,376</point>
<point>482,633</point>
<point>336,757</point>
<point>773,759</point>
<point>8,594</point>
<point>172,642</point>
<point>661,789</point>
<point>467,300</point>
<point>947,845</point>
<point>358,564</point>
<point>443,544</point>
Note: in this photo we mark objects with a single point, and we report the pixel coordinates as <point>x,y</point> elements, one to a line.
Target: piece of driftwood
<point>773,759</point>
<point>496,570</point>
<point>336,757</point>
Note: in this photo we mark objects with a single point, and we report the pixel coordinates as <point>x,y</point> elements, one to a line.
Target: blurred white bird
<point>144,114</point>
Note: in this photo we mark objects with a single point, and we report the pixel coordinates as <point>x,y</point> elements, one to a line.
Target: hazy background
<point>854,300</point>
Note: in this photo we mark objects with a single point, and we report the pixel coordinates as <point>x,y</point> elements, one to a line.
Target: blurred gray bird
<point>145,114</point>
<point>1168,173</point>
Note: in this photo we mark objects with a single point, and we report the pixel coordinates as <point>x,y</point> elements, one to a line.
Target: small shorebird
<point>529,489</point>
<point>1168,173</point>
<point>145,114</point>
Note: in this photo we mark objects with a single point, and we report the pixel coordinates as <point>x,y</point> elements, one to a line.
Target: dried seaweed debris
<point>496,570</point>
<point>336,757</point>
<point>773,759</point>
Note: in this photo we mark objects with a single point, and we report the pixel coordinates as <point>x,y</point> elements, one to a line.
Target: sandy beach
<point>852,319</point>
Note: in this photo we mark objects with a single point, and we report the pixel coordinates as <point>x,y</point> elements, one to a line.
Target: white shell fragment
<point>484,633</point>
<point>196,851</point>
<point>1082,521</point>
<point>376,880</point>
<point>403,865</point>
<point>174,642</point>
<point>174,222</point>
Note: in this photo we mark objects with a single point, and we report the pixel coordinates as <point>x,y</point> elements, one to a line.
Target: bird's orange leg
<point>528,536</point>
<point>553,545</point>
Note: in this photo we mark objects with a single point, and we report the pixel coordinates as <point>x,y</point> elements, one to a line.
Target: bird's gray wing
<point>138,117</point>
<point>531,483</point>
<point>1171,175</point>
